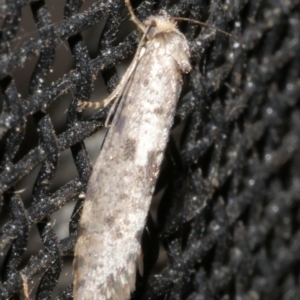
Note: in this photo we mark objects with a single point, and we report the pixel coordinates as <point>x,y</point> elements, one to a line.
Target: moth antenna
<point>134,18</point>
<point>203,24</point>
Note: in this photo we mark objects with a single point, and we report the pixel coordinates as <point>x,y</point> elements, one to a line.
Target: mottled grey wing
<point>122,183</point>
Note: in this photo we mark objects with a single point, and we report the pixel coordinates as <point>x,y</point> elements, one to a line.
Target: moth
<point>119,193</point>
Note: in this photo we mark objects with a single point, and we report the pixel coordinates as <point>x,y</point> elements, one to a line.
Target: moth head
<point>160,24</point>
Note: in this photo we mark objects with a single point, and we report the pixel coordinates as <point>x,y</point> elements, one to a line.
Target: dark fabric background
<point>225,218</point>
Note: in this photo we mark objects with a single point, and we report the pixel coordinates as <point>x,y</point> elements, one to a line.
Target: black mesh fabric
<point>225,219</point>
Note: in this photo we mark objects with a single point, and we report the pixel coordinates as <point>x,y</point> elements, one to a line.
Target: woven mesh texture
<point>226,217</point>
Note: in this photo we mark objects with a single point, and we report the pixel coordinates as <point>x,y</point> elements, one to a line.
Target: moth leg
<point>121,86</point>
<point>140,263</point>
<point>124,81</point>
<point>117,91</point>
<point>82,105</point>
<point>139,54</point>
<point>25,287</point>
